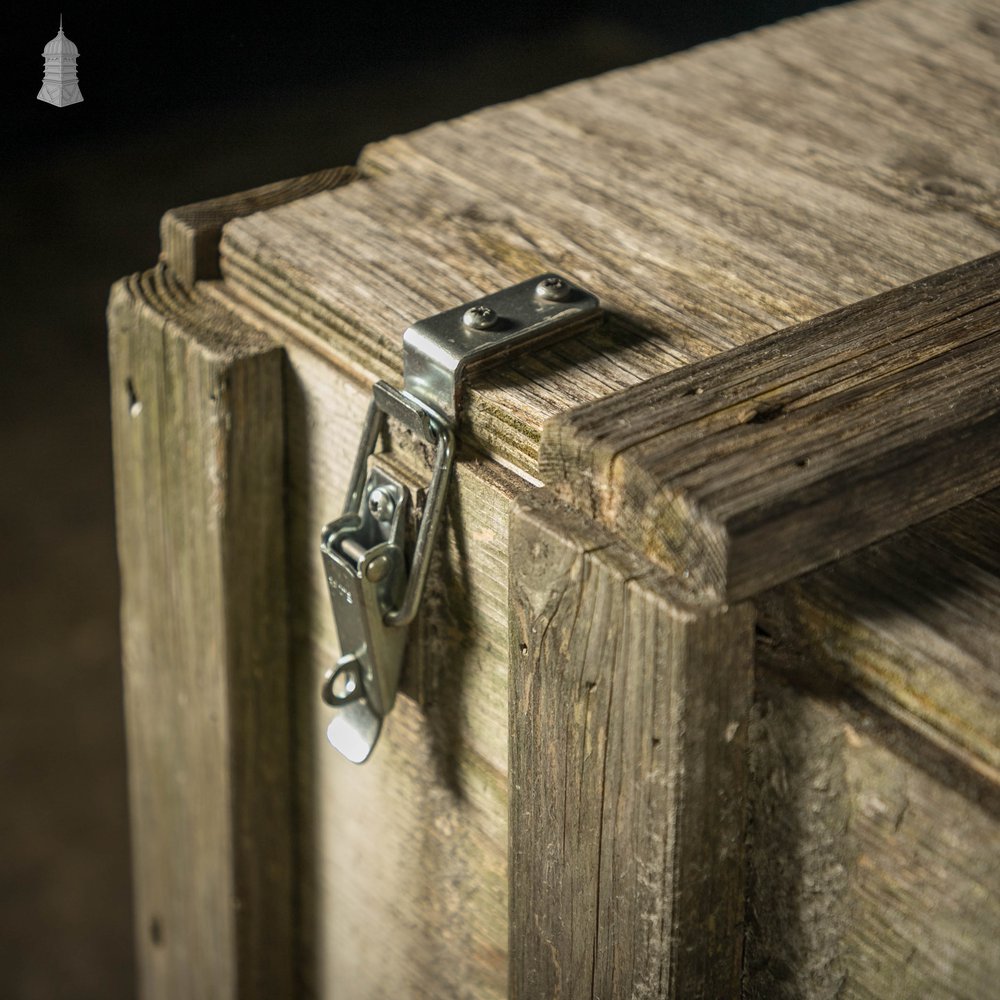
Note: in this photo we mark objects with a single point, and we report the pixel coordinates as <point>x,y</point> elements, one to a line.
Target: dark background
<point>182,101</point>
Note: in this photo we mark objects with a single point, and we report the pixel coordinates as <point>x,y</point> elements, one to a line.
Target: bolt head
<point>381,504</point>
<point>378,569</point>
<point>553,288</point>
<point>480,318</point>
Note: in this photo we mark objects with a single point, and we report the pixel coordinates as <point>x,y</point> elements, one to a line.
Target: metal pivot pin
<point>375,596</point>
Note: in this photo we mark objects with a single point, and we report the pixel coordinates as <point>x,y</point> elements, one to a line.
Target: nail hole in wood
<point>765,414</point>
<point>134,403</point>
<point>941,188</point>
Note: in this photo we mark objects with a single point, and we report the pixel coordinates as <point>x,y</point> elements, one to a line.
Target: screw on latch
<point>553,288</point>
<point>480,318</point>
<point>381,504</point>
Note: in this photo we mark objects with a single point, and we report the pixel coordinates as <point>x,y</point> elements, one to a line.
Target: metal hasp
<point>375,595</point>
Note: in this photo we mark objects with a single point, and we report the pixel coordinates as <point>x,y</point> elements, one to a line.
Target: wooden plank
<point>402,862</point>
<point>751,467</point>
<point>189,234</point>
<point>875,805</point>
<point>874,858</point>
<point>912,624</point>
<point>708,210</point>
<point>198,436</point>
<point>628,711</point>
<point>702,205</point>
<point>403,886</point>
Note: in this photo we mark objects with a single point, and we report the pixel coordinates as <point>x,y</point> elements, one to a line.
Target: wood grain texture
<point>753,466</point>
<point>874,859</point>
<point>875,833</point>
<point>914,625</point>
<point>199,446</point>
<point>189,234</point>
<point>628,708</point>
<point>403,886</point>
<point>709,198</point>
<point>402,863</point>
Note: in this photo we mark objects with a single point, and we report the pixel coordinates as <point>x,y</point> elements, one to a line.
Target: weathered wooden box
<point>702,697</point>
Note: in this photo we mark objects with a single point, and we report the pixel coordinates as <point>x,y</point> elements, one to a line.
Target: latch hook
<point>374,599</point>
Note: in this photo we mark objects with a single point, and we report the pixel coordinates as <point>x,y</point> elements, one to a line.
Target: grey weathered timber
<point>861,370</point>
<point>629,703</point>
<point>705,207</point>
<point>874,860</point>
<point>198,436</point>
<point>403,879</point>
<point>708,210</point>
<point>751,467</point>
<point>189,234</point>
<point>420,851</point>
<point>913,624</point>
<point>873,866</point>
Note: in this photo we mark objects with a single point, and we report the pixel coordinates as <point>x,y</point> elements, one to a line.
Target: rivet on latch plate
<point>374,596</point>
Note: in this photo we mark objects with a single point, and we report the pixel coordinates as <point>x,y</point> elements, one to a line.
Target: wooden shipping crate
<point>702,697</point>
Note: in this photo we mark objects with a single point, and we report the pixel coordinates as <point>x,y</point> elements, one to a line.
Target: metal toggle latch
<point>374,595</point>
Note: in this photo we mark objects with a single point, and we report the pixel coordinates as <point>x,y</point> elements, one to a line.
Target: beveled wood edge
<point>190,234</point>
<point>593,457</point>
<point>251,951</point>
<point>637,693</point>
<point>194,276</point>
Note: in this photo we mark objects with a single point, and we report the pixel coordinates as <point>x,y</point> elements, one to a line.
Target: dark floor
<point>73,222</point>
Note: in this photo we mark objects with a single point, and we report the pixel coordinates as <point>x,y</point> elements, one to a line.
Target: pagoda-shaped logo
<point>59,86</point>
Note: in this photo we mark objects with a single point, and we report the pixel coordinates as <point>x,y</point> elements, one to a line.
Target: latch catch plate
<point>441,352</point>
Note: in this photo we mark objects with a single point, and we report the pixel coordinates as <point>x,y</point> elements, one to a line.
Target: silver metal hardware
<point>480,318</point>
<point>382,504</point>
<point>553,288</point>
<point>374,596</point>
<point>441,352</point>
